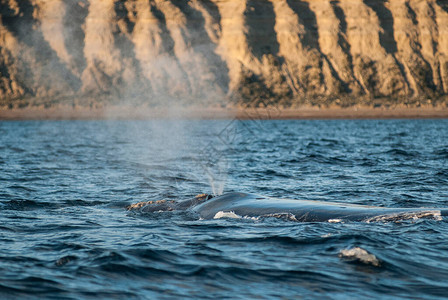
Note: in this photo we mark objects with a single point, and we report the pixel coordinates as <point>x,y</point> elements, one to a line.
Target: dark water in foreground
<point>64,232</point>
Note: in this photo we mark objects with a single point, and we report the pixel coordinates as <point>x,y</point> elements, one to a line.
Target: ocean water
<point>65,232</point>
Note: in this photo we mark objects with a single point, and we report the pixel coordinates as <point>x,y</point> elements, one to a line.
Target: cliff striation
<point>288,52</point>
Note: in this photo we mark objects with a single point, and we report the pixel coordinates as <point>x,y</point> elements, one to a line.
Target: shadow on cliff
<point>310,40</point>
<point>75,16</point>
<point>168,45</point>
<point>200,42</point>
<point>260,21</point>
<point>25,28</point>
<point>137,86</point>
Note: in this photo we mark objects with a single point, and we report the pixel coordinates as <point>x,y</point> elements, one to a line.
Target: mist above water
<point>183,153</point>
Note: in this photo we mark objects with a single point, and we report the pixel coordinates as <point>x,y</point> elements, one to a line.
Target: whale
<point>237,204</point>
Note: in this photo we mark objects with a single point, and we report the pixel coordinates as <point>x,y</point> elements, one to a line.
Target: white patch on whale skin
<point>251,218</point>
<point>334,221</point>
<point>226,214</point>
<point>434,214</point>
<point>360,255</point>
<point>285,216</point>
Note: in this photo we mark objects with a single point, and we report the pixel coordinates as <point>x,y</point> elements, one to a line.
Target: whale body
<point>253,205</point>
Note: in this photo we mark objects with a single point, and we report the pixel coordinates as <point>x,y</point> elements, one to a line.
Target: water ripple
<point>66,235</point>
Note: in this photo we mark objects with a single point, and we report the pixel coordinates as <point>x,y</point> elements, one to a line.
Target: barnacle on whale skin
<point>139,205</point>
<point>170,205</point>
<point>145,203</point>
<point>202,197</point>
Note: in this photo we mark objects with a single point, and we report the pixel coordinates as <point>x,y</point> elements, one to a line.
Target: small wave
<point>330,160</point>
<point>443,174</point>
<point>360,255</point>
<point>33,285</point>
<point>270,172</point>
<point>65,260</point>
<point>151,255</point>
<point>24,205</point>
<point>79,202</point>
<point>401,152</point>
<point>17,149</point>
<point>21,188</point>
<point>443,152</point>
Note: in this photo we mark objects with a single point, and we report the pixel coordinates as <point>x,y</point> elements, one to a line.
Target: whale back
<point>253,205</point>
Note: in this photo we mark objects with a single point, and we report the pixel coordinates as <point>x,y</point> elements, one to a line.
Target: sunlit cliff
<point>224,51</point>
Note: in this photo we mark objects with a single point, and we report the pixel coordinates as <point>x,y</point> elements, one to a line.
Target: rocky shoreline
<point>65,112</point>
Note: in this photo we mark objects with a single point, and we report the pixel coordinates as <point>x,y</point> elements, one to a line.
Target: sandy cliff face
<point>215,51</point>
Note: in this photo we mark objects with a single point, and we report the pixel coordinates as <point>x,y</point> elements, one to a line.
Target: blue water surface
<point>65,232</point>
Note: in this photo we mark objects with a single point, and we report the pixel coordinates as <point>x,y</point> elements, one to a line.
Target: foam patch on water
<point>360,255</point>
<point>436,215</point>
<point>226,214</point>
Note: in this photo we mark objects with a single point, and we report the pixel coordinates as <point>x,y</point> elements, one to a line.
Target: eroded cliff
<point>224,51</point>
